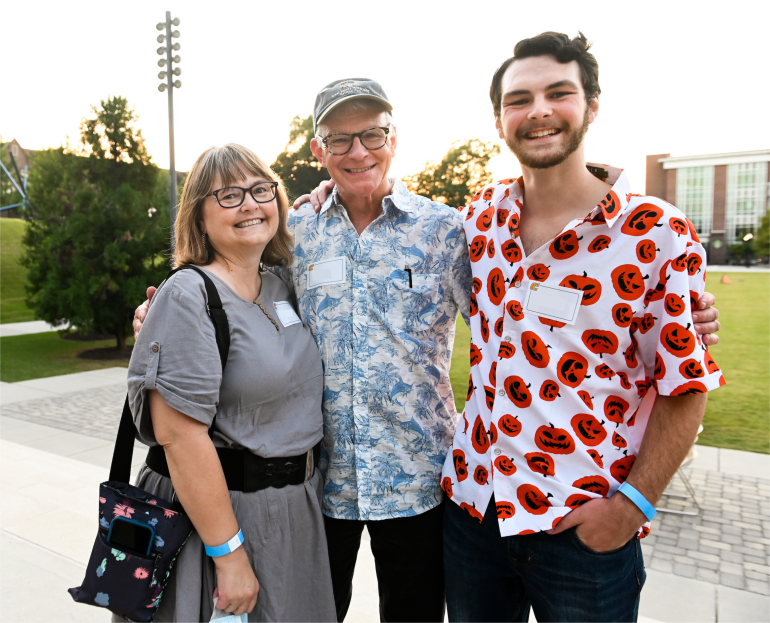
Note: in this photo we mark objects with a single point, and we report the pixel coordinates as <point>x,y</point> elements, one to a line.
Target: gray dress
<point>269,402</point>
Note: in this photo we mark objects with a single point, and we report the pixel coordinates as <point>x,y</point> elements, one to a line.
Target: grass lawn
<point>13,275</point>
<point>24,357</point>
<point>738,414</point>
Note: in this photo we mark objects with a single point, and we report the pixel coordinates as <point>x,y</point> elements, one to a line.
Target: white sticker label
<point>553,302</point>
<point>327,272</point>
<point>286,313</point>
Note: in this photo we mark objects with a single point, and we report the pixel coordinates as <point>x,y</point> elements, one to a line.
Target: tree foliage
<point>762,239</point>
<point>99,226</point>
<point>455,179</point>
<point>296,165</point>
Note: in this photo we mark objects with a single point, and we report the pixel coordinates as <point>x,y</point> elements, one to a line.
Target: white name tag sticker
<point>553,302</point>
<point>286,313</point>
<point>327,272</point>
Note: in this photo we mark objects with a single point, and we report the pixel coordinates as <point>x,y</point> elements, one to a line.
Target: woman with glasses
<point>237,447</point>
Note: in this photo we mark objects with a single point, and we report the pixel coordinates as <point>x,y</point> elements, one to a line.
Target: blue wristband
<point>638,499</point>
<point>230,546</point>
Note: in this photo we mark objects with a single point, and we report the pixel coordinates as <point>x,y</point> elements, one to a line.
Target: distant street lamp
<point>169,86</point>
<point>747,249</point>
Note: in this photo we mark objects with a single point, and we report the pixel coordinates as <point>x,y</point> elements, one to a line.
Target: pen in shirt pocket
<point>409,272</point>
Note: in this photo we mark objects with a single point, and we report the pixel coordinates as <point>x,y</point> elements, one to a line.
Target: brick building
<point>724,195</point>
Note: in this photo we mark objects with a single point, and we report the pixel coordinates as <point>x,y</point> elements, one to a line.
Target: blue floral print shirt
<point>382,307</point>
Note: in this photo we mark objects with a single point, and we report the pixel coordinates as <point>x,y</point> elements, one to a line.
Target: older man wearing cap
<point>380,275</point>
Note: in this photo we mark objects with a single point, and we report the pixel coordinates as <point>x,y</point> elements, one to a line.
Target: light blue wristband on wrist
<point>230,546</point>
<point>638,499</point>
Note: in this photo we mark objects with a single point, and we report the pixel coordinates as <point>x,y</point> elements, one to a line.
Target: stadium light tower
<point>170,84</point>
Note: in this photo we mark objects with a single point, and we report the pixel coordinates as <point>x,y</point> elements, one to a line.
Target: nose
<point>540,109</point>
<point>357,150</point>
<point>249,202</point>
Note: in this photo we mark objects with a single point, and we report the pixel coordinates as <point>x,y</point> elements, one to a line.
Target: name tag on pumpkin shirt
<point>553,302</point>
<point>286,313</point>
<point>327,272</point>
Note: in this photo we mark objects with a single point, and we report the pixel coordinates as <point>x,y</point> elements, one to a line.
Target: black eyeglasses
<point>233,196</point>
<point>340,144</point>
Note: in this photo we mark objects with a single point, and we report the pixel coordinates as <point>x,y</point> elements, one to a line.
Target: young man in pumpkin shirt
<point>586,374</point>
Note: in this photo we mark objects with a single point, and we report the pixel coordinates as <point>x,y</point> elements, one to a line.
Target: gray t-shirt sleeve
<point>176,354</point>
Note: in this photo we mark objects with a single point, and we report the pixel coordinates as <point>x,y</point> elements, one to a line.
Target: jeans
<point>494,578</point>
<point>408,557</point>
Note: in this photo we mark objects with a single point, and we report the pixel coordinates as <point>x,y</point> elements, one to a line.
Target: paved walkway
<point>56,447</point>
<point>25,328</point>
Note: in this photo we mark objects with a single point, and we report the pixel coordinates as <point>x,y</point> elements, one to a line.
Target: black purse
<point>129,579</point>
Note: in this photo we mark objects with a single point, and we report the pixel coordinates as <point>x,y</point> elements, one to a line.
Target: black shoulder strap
<point>120,469</point>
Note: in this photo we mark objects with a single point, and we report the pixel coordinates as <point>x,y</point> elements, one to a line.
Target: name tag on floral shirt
<point>327,272</point>
<point>553,302</point>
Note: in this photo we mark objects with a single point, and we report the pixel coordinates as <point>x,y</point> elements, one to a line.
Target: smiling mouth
<point>543,133</point>
<point>249,223</point>
<point>360,170</point>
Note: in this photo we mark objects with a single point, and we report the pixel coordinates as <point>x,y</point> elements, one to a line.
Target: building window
<point>746,199</point>
<point>695,197</point>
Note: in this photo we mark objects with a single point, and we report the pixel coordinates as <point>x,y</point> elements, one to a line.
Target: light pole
<point>169,86</point>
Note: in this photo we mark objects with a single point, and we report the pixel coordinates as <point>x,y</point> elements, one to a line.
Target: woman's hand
<point>316,197</point>
<point>237,586</point>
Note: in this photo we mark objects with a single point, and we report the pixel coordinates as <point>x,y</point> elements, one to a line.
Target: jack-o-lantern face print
<point>678,225</point>
<point>502,216</point>
<point>551,323</point>
<point>476,355</point>
<point>578,499</point>
<point>535,350</point>
<point>484,326</point>
<point>471,510</point>
<point>477,248</point>
<point>679,264</point>
<point>509,425</point>
<point>599,244</point>
<point>479,436</point>
<point>484,219</point>
<point>628,282</point>
<point>588,429</point>
<point>511,251</point>
<point>496,286</point>
<point>694,262</point>
<point>594,484</point>
<point>476,285</point>
<point>470,388</point>
<point>474,304</point>
<point>480,475</point>
<point>518,391</point>
<point>533,500</point>
<point>674,305</point>
<point>549,391</point>
<point>538,272</point>
<point>565,246</point>
<point>710,364</point>
<point>646,251</point>
<point>600,342</point>
<point>488,194</point>
<point>603,371</point>
<point>572,369</point>
<point>610,205</point>
<point>505,466</point>
<point>586,398</point>
<point>642,220</point>
<point>618,441</point>
<point>592,289</point>
<point>507,350</point>
<point>489,394</point>
<point>505,510</point>
<point>513,225</point>
<point>499,327</point>
<point>615,409</point>
<point>689,389</point>
<point>660,367</point>
<point>461,467</point>
<point>469,214</point>
<point>630,355</point>
<point>620,469</point>
<point>491,249</point>
<point>622,314</point>
<point>446,485</point>
<point>691,369</point>
<point>554,440</point>
<point>624,382</point>
<point>540,463</point>
<point>515,310</point>
<point>493,374</point>
<point>678,340</point>
<point>596,457</point>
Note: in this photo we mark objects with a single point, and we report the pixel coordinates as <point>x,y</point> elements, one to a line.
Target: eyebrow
<point>555,85</point>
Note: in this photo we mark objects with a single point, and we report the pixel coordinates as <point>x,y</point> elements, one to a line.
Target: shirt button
<point>517,284</point>
<point>501,392</point>
<point>498,451</point>
<point>507,338</point>
<point>155,349</point>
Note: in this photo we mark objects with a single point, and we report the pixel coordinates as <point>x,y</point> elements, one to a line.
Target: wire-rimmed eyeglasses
<point>233,196</point>
<point>371,138</point>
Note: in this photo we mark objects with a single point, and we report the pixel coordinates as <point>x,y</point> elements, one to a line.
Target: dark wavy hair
<point>560,47</point>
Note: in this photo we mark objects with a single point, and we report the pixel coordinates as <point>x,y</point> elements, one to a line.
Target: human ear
<point>318,151</point>
<point>593,109</point>
<point>499,127</point>
<point>392,138</point>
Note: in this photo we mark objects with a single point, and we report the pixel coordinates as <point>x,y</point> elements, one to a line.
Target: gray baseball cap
<point>332,95</point>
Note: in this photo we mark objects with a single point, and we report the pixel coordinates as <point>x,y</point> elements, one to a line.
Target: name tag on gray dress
<point>286,313</point>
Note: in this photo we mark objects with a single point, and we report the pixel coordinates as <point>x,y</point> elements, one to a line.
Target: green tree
<point>762,239</point>
<point>296,165</point>
<point>458,176</point>
<point>98,230</point>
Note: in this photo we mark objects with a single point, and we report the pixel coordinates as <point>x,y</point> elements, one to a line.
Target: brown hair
<point>560,47</point>
<point>231,163</point>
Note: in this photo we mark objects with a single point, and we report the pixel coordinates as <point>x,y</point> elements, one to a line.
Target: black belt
<point>247,472</point>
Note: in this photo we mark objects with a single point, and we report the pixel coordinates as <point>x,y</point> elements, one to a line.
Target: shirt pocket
<point>413,304</point>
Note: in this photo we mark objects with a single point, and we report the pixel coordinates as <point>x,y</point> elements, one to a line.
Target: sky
<point>678,77</point>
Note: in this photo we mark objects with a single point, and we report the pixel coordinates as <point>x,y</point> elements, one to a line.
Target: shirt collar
<point>613,204</point>
<point>400,198</point>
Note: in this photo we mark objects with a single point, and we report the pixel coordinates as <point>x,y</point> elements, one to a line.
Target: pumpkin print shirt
<point>555,413</point>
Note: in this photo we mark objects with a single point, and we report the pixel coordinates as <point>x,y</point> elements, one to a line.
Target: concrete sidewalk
<point>49,479</point>
<point>26,328</point>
